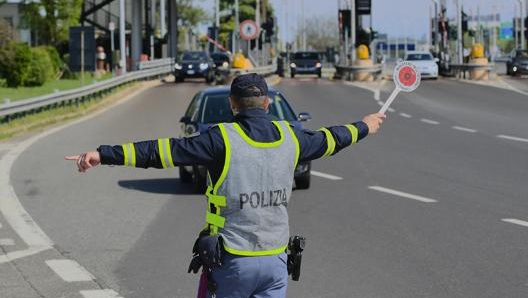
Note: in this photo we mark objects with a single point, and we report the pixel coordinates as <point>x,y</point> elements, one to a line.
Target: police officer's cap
<point>241,85</point>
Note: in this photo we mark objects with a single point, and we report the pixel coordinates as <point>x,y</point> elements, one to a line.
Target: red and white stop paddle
<point>406,78</point>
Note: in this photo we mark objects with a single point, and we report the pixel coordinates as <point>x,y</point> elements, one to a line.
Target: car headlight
<point>225,64</point>
<point>204,66</point>
<point>177,66</point>
<point>514,68</point>
<point>293,65</point>
<point>318,64</point>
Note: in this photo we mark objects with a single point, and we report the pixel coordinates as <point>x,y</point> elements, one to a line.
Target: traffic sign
<point>406,78</point>
<point>249,30</point>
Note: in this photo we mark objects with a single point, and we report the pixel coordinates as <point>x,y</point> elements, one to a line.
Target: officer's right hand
<point>86,160</point>
<point>374,121</point>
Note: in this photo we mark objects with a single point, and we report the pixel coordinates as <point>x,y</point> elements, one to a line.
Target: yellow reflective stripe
<point>227,159</point>
<point>214,219</point>
<point>165,153</point>
<point>353,131</point>
<point>329,141</point>
<point>129,155</point>
<point>217,200</point>
<point>275,251</point>
<point>259,144</point>
<point>296,141</point>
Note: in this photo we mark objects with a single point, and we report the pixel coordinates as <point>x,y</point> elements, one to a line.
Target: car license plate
<point>190,72</point>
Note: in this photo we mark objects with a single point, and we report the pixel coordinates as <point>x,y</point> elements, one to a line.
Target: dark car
<point>517,62</point>
<point>211,106</point>
<point>305,63</point>
<point>194,65</point>
<point>222,61</point>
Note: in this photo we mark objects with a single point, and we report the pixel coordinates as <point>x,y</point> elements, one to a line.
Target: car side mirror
<point>185,119</point>
<point>304,116</point>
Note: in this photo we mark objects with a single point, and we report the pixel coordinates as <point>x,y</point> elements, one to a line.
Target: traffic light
<point>344,23</point>
<point>464,22</point>
<point>525,31</point>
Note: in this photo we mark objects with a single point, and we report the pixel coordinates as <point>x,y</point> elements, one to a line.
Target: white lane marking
<point>391,110</point>
<point>405,115</point>
<point>512,138</point>
<point>429,121</point>
<point>324,175</point>
<point>69,270</point>
<point>402,194</point>
<point>516,221</point>
<point>100,294</point>
<point>7,242</point>
<point>464,129</point>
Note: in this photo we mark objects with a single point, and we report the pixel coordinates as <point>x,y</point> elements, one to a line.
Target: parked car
<point>425,63</point>
<point>211,105</point>
<point>517,62</point>
<point>194,64</point>
<point>305,63</point>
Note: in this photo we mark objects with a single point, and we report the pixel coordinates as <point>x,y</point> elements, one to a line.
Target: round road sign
<point>406,77</point>
<point>249,30</point>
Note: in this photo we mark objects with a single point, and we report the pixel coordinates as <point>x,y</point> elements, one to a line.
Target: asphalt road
<point>434,205</point>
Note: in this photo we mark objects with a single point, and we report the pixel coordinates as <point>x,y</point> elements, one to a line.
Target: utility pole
<point>459,33</point>
<point>353,28</point>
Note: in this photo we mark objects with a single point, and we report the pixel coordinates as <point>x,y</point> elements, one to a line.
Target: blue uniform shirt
<point>208,148</point>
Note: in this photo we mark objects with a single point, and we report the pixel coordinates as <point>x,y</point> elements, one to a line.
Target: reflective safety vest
<point>248,203</point>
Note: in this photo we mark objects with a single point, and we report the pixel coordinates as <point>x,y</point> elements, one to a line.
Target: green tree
<point>51,19</point>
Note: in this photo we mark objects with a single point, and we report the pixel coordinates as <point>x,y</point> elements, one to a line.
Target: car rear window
<point>216,109</point>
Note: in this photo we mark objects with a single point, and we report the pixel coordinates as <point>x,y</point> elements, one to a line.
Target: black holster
<point>295,249</point>
<point>207,252</point>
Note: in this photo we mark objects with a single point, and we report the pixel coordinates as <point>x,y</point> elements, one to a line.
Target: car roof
<point>225,89</point>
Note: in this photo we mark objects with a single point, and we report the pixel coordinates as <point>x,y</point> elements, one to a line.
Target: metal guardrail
<point>19,108</point>
<point>147,69</point>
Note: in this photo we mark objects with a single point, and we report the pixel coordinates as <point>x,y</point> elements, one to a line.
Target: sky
<point>397,18</point>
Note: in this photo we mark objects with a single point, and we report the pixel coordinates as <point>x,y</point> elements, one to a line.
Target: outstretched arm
<point>86,160</point>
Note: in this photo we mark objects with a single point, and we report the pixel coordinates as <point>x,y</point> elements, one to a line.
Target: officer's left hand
<point>374,122</point>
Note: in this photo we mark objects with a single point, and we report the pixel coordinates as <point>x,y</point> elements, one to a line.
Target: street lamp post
<point>521,25</point>
<point>435,26</point>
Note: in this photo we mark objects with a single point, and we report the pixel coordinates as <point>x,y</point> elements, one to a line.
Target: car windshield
<point>419,57</point>
<point>306,56</point>
<point>219,57</point>
<point>194,56</point>
<point>216,109</point>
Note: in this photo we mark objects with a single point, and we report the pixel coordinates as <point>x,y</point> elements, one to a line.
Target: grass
<point>44,119</point>
<point>21,93</point>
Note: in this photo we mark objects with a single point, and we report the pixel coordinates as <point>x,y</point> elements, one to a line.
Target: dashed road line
<point>324,175</point>
<point>429,121</point>
<point>100,294</point>
<point>70,270</point>
<point>516,221</point>
<point>512,138</point>
<point>464,129</point>
<point>404,115</point>
<point>402,194</point>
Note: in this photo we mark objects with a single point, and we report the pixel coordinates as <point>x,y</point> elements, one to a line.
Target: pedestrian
<point>250,163</point>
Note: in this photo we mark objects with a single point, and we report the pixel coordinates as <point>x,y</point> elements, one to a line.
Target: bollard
<point>363,60</point>
<point>477,57</point>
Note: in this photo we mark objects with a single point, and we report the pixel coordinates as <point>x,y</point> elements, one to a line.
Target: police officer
<point>251,163</point>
